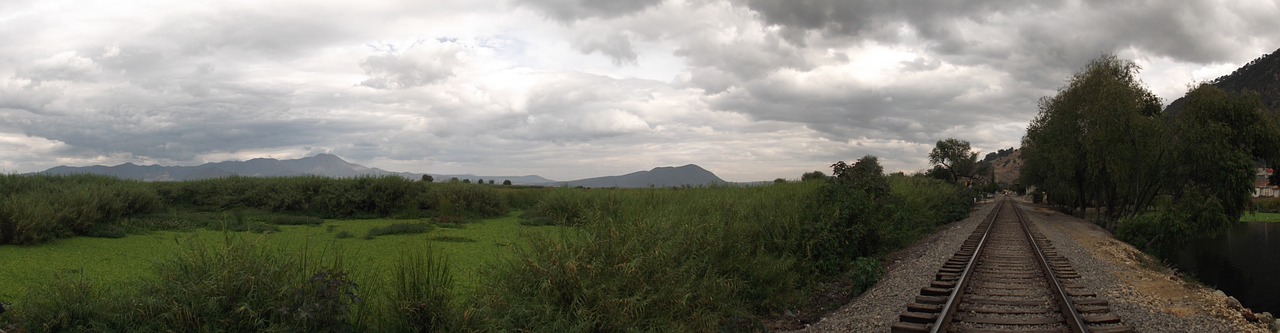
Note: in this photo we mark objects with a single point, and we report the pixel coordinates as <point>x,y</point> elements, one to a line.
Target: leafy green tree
<point>1101,140</point>
<point>466,181</point>
<point>956,157</point>
<point>779,181</point>
<point>1219,137</point>
<point>815,175</point>
<point>428,178</point>
<point>506,182</point>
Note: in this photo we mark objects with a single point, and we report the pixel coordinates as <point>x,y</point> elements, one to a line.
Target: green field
<point>116,261</point>
<point>1260,217</point>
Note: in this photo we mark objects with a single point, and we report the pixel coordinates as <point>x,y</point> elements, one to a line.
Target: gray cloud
<point>420,65</point>
<point>616,45</point>
<point>572,10</point>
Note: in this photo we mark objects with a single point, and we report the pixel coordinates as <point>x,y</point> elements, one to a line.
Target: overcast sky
<point>567,89</point>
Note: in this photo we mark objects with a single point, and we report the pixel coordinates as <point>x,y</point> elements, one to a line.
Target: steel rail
<point>1069,313</point>
<point>949,308</point>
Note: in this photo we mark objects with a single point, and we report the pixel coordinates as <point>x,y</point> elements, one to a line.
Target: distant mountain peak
<point>663,176</point>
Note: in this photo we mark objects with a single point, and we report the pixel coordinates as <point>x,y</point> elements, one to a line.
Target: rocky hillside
<point>1008,168</point>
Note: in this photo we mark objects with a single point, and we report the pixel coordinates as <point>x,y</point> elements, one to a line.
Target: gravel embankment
<point>1144,295</point>
<point>911,269</point>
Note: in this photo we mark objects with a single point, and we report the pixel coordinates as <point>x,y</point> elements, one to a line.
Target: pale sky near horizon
<point>568,89</point>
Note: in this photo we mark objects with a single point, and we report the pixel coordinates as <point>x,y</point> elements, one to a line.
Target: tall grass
<point>419,295</point>
<point>36,209</point>
<point>705,259</point>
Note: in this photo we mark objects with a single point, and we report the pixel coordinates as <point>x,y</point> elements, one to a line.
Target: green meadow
<point>467,248</point>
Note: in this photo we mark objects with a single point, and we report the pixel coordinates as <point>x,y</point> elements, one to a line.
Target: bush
<point>1267,205</point>
<point>295,220</point>
<point>398,229</point>
<point>865,273</point>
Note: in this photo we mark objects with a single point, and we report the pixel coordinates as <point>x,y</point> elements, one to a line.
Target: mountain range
<point>329,165</point>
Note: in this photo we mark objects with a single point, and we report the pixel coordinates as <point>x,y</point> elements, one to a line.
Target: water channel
<point>1243,262</point>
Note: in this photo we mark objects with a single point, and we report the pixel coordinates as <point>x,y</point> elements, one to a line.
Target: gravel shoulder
<point>1144,293</point>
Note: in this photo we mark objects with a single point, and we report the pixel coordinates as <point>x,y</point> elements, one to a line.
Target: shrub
<point>295,220</point>
<point>398,229</point>
<point>865,273</point>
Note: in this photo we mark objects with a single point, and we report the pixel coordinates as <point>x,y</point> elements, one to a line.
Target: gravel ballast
<point>1145,295</point>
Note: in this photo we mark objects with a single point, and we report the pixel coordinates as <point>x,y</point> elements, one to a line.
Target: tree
<point>1219,137</point>
<point>466,181</point>
<point>491,182</point>
<point>956,157</point>
<point>865,174</point>
<point>480,181</point>
<point>506,182</point>
<point>1100,140</point>
<point>779,181</point>
<point>453,179</point>
<point>815,175</point>
<point>428,178</point>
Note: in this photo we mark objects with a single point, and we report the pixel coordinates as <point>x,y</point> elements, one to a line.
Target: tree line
<point>1104,142</point>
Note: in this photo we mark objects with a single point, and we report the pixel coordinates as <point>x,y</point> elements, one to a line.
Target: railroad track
<point>1007,277</point>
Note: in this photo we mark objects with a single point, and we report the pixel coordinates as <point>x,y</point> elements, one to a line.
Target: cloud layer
<point>750,89</point>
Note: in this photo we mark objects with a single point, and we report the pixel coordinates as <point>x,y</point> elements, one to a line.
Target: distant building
<point>1262,184</point>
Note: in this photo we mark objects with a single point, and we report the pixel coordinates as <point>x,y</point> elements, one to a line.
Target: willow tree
<point>1098,142</point>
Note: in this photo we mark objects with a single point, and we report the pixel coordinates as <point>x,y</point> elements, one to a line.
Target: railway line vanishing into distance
<point>1007,277</point>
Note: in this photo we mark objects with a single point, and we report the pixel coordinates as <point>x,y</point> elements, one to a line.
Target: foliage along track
<point>1002,281</point>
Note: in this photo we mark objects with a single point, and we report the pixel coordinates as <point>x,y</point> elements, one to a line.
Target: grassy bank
<point>1260,217</point>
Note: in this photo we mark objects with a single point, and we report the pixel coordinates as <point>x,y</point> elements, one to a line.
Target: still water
<point>1243,262</point>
